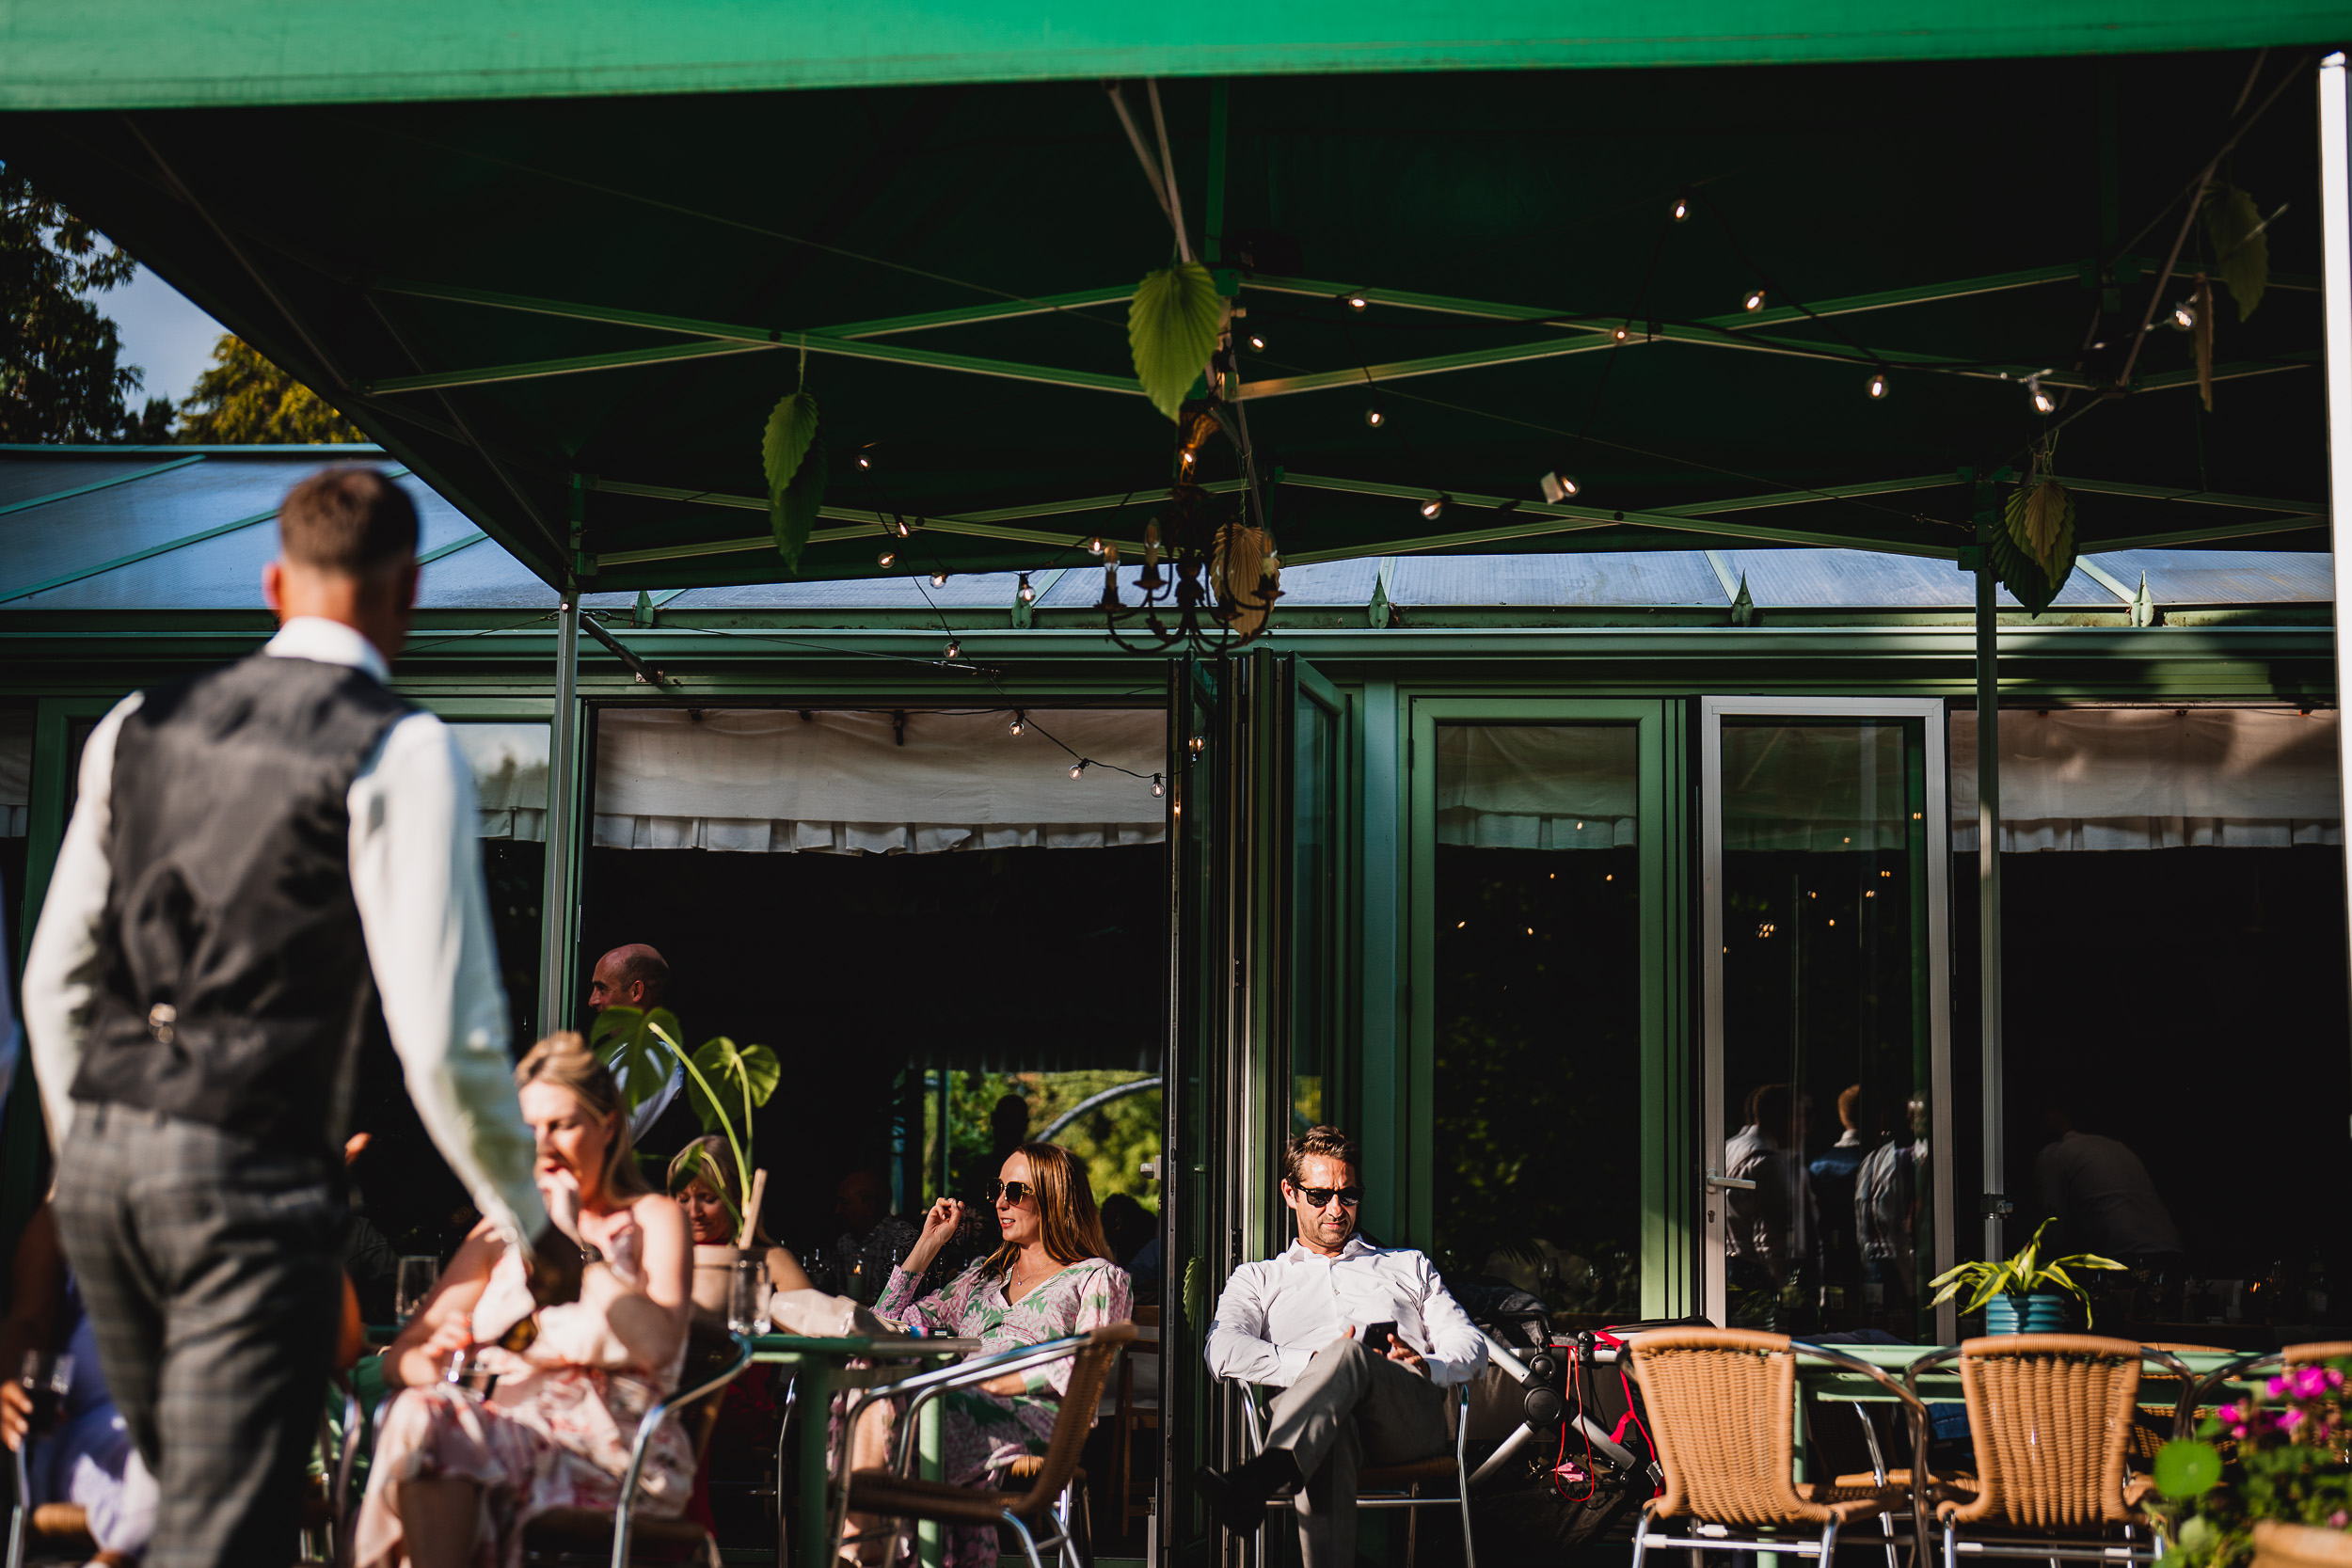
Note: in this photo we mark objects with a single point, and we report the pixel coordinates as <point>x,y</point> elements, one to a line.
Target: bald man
<point>634,975</point>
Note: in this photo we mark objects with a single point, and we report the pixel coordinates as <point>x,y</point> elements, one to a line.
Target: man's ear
<point>273,586</point>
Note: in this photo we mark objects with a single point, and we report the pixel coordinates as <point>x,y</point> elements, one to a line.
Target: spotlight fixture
<point>1431,507</point>
<point>955,649</point>
<point>1027,594</point>
<point>888,557</point>
<point>1374,418</point>
<point>1876,386</point>
<point>2042,402</point>
<point>1020,722</point>
<point>939,580</point>
<point>1357,302</point>
<point>1754,300</point>
<point>1559,487</point>
<point>1682,209</point>
<point>1257,342</point>
<point>2184,317</point>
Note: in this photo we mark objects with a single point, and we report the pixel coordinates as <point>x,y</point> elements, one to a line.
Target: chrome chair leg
<point>21,1517</point>
<point>1028,1542</point>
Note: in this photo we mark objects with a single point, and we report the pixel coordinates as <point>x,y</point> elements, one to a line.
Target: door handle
<point>1729,1184</point>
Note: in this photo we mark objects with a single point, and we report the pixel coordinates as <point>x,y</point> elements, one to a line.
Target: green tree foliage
<point>244,400</point>
<point>61,378</point>
<point>1114,1141</point>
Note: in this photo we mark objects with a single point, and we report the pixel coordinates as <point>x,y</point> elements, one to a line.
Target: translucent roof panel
<point>2226,576</point>
<point>1597,580</point>
<point>1860,579</point>
<point>484,577</point>
<point>973,591</point>
<point>50,476</point>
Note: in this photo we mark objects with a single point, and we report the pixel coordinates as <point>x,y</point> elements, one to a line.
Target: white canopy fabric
<point>2155,779</point>
<point>1536,787</point>
<point>510,775</point>
<point>768,780</point>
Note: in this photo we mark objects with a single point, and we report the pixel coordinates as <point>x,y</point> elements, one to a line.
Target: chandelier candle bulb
<point>1682,209</point>
<point>1876,386</point>
<point>1754,300</point>
<point>1375,418</point>
<point>1357,302</point>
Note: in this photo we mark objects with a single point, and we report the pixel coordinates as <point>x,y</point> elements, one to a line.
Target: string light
<point>901,526</point>
<point>1876,386</point>
<point>887,558</point>
<point>939,578</point>
<point>1682,209</point>
<point>1078,768</point>
<point>2184,317</point>
<point>1357,302</point>
<point>1094,545</point>
<point>2042,402</point>
<point>865,460</point>
<point>1559,487</point>
<point>1621,334</point>
<point>1374,418</point>
<point>1754,300</point>
<point>955,649</point>
<point>1027,594</point>
<point>1159,786</point>
<point>1257,342</point>
<point>1020,722</point>
<point>1434,505</point>
<point>1185,457</point>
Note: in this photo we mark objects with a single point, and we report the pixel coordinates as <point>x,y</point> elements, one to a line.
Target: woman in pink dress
<point>457,1475</point>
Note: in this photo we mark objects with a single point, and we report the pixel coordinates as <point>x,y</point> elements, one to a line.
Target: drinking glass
<point>46,1379</point>
<point>414,1282</point>
<point>747,1297</point>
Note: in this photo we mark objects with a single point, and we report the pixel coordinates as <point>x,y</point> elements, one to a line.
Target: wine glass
<point>412,1284</point>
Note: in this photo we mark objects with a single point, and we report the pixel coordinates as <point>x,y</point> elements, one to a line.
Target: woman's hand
<point>560,1190</point>
<point>939,1224</point>
<point>428,1359</point>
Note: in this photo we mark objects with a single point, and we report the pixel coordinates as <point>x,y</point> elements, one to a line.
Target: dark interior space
<point>855,968</point>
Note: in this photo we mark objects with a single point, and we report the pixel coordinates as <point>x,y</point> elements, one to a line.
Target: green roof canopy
<point>571,315</point>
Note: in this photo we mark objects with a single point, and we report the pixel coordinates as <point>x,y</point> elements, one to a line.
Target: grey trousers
<point>1350,1409</point>
<point>208,1264</point>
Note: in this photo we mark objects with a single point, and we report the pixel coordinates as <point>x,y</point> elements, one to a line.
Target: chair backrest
<point>2324,1350</point>
<point>2051,1417</point>
<point>709,1351</point>
<point>1722,1405</point>
<point>1090,1367</point>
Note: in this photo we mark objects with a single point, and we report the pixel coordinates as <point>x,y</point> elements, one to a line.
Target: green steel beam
<point>1794,497</point>
<point>2220,372</point>
<point>441,552</point>
<point>148,472</point>
<point>540,369</point>
<point>2199,497</point>
<point>2202,535</point>
<point>816,342</point>
<point>1040,304</point>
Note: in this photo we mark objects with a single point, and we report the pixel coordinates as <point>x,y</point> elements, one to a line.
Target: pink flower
<point>2290,1418</point>
<point>2339,1519</point>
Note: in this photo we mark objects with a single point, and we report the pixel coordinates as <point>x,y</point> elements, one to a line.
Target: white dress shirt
<point>416,876</point>
<point>1275,1315</point>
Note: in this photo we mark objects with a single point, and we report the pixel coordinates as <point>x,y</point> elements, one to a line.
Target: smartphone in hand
<point>1378,1337</point>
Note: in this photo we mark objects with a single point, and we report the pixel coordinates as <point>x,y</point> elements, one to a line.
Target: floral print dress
<point>983,1432</point>
<point>551,1434</point>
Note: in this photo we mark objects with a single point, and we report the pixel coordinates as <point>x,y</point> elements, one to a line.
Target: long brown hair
<point>711,1160</point>
<point>565,1060</point>
<point>1065,1202</point>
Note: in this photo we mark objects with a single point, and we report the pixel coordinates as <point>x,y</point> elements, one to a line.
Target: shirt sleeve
<point>61,967</point>
<point>1458,1351</point>
<point>1238,1347</point>
<point>416,875</point>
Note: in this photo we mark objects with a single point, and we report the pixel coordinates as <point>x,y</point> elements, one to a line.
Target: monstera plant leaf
<point>1173,327</point>
<point>625,1040</point>
<point>2241,248</point>
<point>796,473</point>
<point>2033,549</point>
<point>745,1076</point>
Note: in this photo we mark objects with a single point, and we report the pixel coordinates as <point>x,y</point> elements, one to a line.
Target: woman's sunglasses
<point>1011,1192</point>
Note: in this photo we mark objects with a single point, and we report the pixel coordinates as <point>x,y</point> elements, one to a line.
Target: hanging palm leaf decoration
<point>795,466</point>
<point>2033,550</point>
<point>1246,575</point>
<point>1173,327</point>
<point>2241,248</point>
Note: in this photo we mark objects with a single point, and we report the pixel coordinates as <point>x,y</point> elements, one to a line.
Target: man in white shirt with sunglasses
<point>1362,1340</point>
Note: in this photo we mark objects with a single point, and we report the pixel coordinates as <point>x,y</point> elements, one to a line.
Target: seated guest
<point>457,1475</point>
<point>1049,1280</point>
<point>1298,1322</point>
<point>88,1458</point>
<point>635,976</point>
<point>1133,1233</point>
<point>873,1240</point>
<point>705,1181</point>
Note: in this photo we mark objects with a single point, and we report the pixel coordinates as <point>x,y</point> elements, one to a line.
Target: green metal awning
<point>571,315</point>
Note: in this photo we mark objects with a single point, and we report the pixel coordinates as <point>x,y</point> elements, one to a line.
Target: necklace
<point>1020,1290</point>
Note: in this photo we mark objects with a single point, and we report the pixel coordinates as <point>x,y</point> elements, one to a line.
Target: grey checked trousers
<point>1351,1408</point>
<point>208,1263</point>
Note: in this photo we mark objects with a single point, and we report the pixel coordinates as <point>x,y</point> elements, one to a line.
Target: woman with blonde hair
<point>1052,1277</point>
<point>457,1474</point>
<point>703,1181</point>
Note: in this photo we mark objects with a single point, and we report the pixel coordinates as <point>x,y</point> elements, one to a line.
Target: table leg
<point>930,1536</point>
<point>816,1409</point>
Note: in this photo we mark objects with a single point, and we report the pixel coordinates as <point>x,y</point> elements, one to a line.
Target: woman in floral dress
<point>1051,1278</point>
<point>457,1475</point>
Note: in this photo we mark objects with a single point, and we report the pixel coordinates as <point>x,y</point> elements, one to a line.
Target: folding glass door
<point>1827,1092</point>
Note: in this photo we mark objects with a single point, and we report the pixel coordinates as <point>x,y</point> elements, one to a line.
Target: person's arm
<point>898,1303</point>
<point>1457,1352</point>
<point>32,1321</point>
<point>785,1272</point>
<point>1237,1346</point>
<point>416,875</point>
<point>443,1326</point>
<point>616,1324</point>
<point>61,967</point>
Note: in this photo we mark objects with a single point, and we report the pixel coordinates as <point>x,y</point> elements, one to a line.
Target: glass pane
<point>1538,1013</point>
<point>1825,1024</point>
<point>1314,972</point>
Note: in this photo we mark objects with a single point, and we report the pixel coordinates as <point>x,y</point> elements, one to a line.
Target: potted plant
<point>722,1081</point>
<point>2266,1483</point>
<point>2022,1295</point>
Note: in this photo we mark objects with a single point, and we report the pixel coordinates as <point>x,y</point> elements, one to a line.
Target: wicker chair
<point>894,1493</point>
<point>714,1358</point>
<point>1722,1411</point>
<point>2051,1416</point>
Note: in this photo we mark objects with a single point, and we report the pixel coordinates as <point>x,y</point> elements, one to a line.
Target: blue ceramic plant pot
<point>2043,1312</point>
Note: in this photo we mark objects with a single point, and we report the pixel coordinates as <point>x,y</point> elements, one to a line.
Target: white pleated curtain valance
<point>2155,779</point>
<point>768,780</point>
<point>1536,787</point>
<point>510,777</point>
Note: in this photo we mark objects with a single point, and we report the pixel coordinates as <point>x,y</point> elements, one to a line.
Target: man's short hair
<point>1330,1142</point>
<point>348,520</point>
<point>638,962</point>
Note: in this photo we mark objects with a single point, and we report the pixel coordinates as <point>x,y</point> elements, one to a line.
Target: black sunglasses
<point>1012,1192</point>
<point>1320,1198</point>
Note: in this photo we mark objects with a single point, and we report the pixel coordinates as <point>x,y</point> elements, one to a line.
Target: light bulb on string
<point>1026,593</point>
<point>1877,385</point>
<point>1559,487</point>
<point>901,528</point>
<point>939,578</point>
<point>1621,334</point>
<point>887,558</point>
<point>1682,209</point>
<point>1077,769</point>
<point>1159,786</point>
<point>1020,722</point>
<point>955,649</point>
<point>2184,317</point>
<point>2042,402</point>
<point>1257,342</point>
<point>1374,418</point>
<point>1432,506</point>
<point>1357,302</point>
<point>1754,300</point>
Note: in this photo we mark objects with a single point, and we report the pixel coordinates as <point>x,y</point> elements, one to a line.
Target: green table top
<point>779,1348</point>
